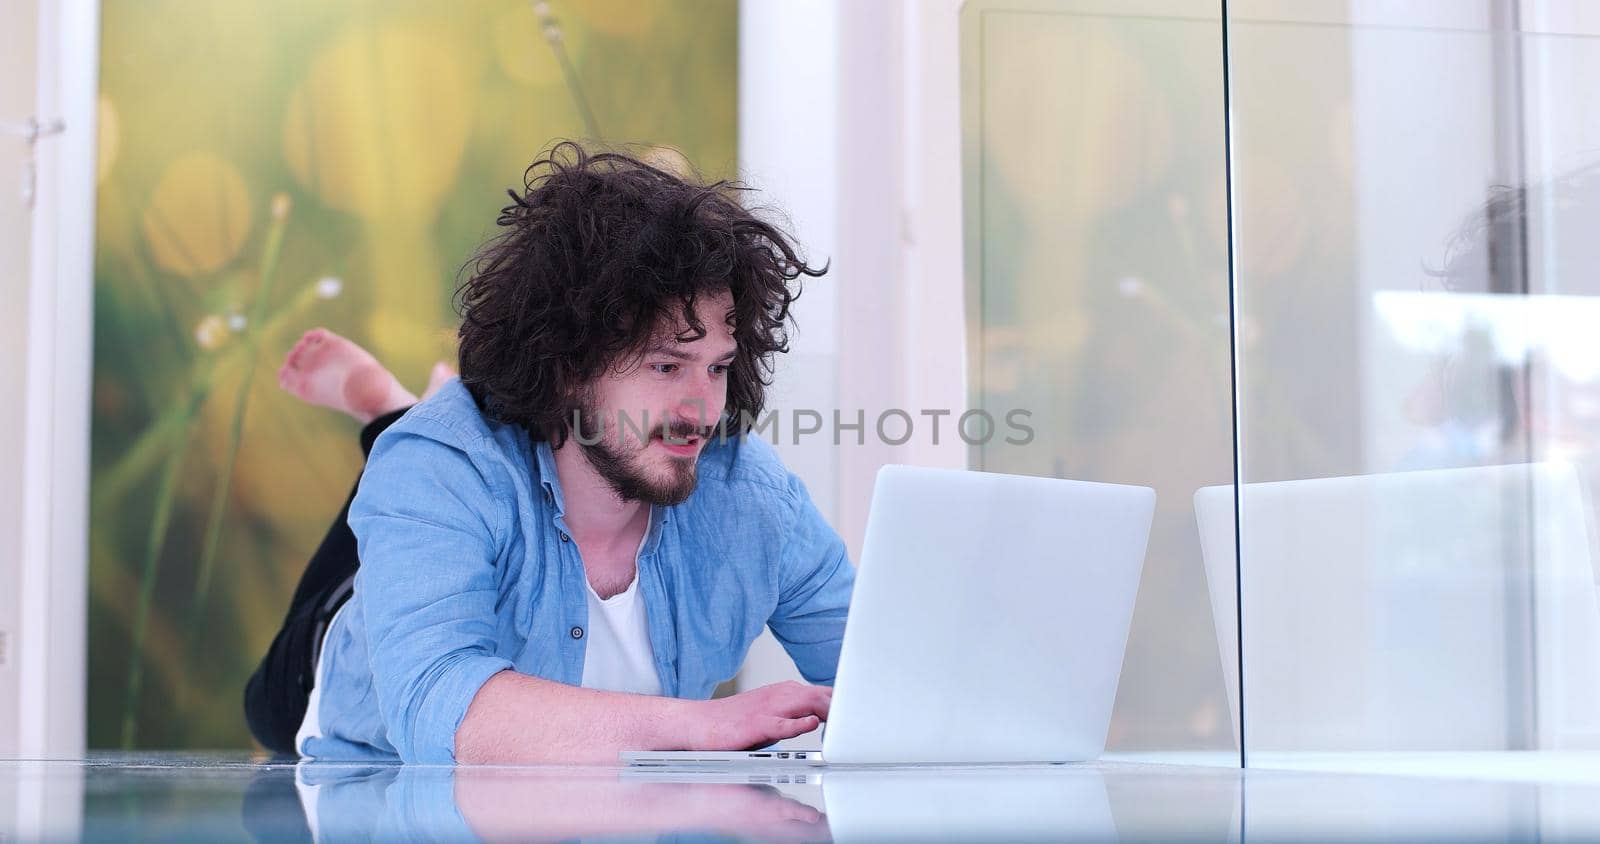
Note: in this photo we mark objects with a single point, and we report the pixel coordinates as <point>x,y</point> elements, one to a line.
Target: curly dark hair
<point>598,248</point>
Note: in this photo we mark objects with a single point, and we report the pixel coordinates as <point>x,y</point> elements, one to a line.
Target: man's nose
<point>695,410</point>
<point>701,402</point>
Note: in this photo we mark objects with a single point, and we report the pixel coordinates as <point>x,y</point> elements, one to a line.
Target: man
<point>564,551</point>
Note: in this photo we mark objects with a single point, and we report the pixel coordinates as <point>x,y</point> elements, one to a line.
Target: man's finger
<point>791,727</point>
<point>824,699</point>
<point>801,705</point>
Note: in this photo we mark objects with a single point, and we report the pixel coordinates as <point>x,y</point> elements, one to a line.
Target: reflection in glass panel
<point>1383,611</point>
<point>1415,282</point>
<point>1097,268</point>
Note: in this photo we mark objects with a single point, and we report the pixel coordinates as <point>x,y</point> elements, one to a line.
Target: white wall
<point>17,91</point>
<point>788,125</point>
<point>848,120</point>
<point>49,62</point>
<point>48,330</point>
<point>788,130</point>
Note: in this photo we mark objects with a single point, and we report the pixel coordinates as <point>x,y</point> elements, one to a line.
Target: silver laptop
<point>988,623</point>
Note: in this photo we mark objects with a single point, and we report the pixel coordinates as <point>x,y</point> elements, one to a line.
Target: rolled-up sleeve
<point>429,526</point>
<point>815,579</point>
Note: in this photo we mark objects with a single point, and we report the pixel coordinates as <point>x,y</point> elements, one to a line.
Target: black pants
<point>276,697</point>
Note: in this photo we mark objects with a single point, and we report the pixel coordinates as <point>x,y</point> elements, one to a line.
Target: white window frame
<point>50,644</point>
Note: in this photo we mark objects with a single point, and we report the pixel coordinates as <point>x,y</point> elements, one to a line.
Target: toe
<point>440,373</point>
<point>308,341</point>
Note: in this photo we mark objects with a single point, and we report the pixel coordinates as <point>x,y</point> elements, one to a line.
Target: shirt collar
<point>545,460</point>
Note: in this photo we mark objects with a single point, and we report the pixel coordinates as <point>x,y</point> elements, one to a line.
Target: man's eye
<point>719,369</point>
<point>664,368</point>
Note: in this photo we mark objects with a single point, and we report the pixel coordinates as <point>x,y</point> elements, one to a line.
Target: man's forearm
<point>516,718</point>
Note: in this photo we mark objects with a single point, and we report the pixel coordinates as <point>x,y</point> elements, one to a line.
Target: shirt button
<point>565,538</point>
<point>577,632</point>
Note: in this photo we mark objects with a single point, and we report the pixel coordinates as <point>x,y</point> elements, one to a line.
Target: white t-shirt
<point>617,652</point>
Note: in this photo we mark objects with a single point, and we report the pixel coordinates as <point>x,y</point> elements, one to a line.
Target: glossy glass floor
<point>221,798</point>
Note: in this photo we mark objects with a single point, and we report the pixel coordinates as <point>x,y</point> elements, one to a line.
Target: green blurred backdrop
<point>270,166</point>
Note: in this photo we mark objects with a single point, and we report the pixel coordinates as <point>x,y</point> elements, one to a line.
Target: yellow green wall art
<point>266,167</point>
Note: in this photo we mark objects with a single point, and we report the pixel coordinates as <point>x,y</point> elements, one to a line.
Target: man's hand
<point>758,717</point>
<point>590,726</point>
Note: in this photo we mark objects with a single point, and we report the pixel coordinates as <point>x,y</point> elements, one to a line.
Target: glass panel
<point>1097,271</point>
<point>1415,209</point>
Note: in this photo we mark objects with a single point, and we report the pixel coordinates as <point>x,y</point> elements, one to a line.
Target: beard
<point>624,471</point>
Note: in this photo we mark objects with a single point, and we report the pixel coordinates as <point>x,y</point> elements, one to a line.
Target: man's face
<point>644,425</point>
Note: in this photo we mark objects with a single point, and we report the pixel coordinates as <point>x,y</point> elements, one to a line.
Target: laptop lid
<point>989,618</point>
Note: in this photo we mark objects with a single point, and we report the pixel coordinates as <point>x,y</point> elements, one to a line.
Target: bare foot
<point>440,373</point>
<point>327,370</point>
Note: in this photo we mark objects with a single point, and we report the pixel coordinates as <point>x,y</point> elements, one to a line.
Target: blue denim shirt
<point>467,569</point>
